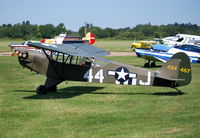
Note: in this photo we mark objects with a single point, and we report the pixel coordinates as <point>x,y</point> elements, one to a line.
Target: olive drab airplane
<point>83,62</point>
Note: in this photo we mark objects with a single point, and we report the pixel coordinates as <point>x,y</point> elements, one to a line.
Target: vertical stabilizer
<point>59,39</point>
<point>177,69</point>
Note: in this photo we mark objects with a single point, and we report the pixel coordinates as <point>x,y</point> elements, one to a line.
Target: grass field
<point>95,110</point>
<point>4,46</point>
<point>114,45</point>
<point>110,45</point>
<point>5,42</point>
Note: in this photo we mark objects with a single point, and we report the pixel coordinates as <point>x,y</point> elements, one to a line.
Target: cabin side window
<point>190,48</point>
<point>75,60</point>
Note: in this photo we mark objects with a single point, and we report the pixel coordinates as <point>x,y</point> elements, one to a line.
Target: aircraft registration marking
<point>99,75</point>
<point>185,70</point>
<point>172,67</point>
<point>121,75</point>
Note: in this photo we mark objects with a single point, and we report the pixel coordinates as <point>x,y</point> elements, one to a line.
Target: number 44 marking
<point>89,75</point>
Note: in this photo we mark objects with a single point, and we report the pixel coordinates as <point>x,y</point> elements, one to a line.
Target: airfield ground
<point>116,48</point>
<point>111,54</point>
<point>81,109</point>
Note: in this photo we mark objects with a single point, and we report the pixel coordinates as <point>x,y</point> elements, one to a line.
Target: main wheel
<point>146,65</point>
<point>153,64</point>
<point>41,89</point>
<point>52,89</point>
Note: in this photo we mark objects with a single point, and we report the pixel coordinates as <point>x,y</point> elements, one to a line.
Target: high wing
<point>74,49</point>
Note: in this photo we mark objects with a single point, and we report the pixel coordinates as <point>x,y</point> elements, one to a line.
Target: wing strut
<point>63,62</point>
<point>52,65</point>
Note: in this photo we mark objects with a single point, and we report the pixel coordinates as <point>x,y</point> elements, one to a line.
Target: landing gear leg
<point>147,64</point>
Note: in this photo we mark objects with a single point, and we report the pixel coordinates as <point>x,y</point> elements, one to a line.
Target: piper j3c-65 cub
<point>82,62</point>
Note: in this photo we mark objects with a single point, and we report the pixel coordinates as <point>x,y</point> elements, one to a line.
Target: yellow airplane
<point>142,44</point>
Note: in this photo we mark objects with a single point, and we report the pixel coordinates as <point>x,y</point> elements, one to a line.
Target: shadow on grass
<point>24,91</point>
<point>157,66</point>
<point>67,92</point>
<point>156,93</point>
<point>74,91</point>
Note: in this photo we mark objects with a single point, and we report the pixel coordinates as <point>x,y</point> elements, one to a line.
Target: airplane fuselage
<point>74,68</point>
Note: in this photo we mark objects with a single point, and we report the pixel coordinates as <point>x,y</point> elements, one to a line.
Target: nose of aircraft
<point>21,54</point>
<point>24,58</point>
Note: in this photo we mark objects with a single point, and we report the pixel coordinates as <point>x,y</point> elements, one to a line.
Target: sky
<point>101,13</point>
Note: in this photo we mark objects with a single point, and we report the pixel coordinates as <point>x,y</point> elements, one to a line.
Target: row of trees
<point>144,31</point>
<point>27,31</point>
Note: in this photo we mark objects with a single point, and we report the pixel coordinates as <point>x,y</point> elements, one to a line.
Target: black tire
<point>52,89</point>
<point>41,90</point>
<point>153,64</point>
<point>146,65</point>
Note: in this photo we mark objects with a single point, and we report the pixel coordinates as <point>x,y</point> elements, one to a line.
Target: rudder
<point>177,69</point>
<point>184,69</point>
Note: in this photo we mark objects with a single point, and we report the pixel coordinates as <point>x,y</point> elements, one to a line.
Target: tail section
<point>177,70</point>
<point>90,37</point>
<point>59,39</point>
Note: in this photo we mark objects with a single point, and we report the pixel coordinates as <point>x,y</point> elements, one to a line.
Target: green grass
<point>82,109</point>
<point>5,42</point>
<point>114,45</point>
<point>4,46</point>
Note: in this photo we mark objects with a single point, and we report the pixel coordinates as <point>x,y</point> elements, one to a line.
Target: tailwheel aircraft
<point>83,62</point>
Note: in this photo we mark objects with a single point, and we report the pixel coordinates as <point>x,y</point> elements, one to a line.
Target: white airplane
<point>193,52</point>
<point>180,39</point>
<point>57,40</point>
<point>61,39</point>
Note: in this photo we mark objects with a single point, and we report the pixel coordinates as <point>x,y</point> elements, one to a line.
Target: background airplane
<point>193,51</point>
<point>61,39</point>
<point>180,39</point>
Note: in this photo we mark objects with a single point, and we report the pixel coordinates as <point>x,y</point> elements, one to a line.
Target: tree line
<point>28,31</point>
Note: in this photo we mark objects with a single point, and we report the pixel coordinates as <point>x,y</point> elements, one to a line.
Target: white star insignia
<point>121,74</point>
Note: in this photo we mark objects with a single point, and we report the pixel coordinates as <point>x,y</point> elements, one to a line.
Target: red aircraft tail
<point>90,37</point>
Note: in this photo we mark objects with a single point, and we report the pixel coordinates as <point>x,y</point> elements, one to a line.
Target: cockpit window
<point>190,48</point>
<point>68,59</point>
<point>180,39</point>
